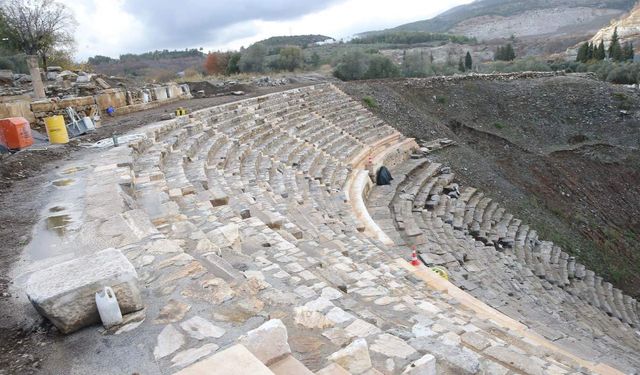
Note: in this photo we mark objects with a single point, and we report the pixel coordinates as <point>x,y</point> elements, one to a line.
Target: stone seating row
<point>218,257</point>
<point>454,248</point>
<point>222,167</point>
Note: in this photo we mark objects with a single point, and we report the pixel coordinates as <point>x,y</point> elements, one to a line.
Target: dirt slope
<point>557,151</point>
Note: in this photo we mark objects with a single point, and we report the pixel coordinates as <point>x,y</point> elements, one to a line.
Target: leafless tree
<point>37,27</point>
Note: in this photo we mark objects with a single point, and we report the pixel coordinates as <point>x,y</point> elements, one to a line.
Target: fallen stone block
<point>289,365</point>
<point>269,342</point>
<point>234,360</point>
<point>354,358</point>
<point>424,366</point>
<point>65,292</point>
<point>333,369</point>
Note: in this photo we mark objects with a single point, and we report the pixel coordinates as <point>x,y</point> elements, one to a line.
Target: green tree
<point>589,51</point>
<point>615,50</point>
<point>599,53</point>
<point>583,52</point>
<point>253,58</point>
<point>233,66</point>
<point>416,64</point>
<point>499,55</point>
<point>505,53</point>
<point>627,51</point>
<point>510,53</point>
<point>352,66</point>
<point>315,60</point>
<point>290,58</point>
<point>381,67</point>
<point>468,61</point>
<point>37,27</point>
<point>461,66</point>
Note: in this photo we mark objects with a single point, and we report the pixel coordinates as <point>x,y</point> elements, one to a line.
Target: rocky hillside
<point>628,28</point>
<point>540,26</point>
<point>556,151</point>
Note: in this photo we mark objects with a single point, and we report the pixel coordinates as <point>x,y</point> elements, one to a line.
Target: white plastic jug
<point>108,307</point>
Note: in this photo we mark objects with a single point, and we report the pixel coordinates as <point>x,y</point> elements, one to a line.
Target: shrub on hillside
<point>417,64</point>
<point>381,67</point>
<point>216,63</point>
<point>370,102</point>
<point>357,65</point>
<point>233,66</point>
<point>622,75</point>
<point>521,65</point>
<point>290,58</point>
<point>352,66</point>
<point>253,58</point>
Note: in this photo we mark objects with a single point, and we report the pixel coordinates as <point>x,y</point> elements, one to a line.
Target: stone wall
<point>115,98</point>
<point>159,93</point>
<point>36,111</point>
<point>174,90</point>
<point>17,106</point>
<point>85,105</point>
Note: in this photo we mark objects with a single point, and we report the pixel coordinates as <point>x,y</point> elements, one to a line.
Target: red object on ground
<point>414,259</point>
<point>15,133</point>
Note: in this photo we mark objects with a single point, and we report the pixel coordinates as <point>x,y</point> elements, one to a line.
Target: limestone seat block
<point>236,360</point>
<point>65,293</point>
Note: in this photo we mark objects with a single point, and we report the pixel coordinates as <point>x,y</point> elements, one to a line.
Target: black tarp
<point>384,176</point>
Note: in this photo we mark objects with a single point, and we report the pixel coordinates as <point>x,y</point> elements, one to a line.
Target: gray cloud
<point>190,23</point>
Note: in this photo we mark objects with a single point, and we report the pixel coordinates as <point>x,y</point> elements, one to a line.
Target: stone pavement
<point>237,217</point>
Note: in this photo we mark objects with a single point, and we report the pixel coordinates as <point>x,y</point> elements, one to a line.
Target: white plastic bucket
<point>108,308</point>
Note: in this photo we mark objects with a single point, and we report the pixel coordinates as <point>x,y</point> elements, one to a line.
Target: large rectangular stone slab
<point>236,360</point>
<point>65,292</point>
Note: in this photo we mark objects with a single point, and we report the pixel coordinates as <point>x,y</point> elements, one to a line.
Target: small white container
<point>108,308</point>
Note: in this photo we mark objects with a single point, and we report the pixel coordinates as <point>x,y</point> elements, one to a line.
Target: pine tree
<point>582,53</point>
<point>627,51</point>
<point>590,51</point>
<point>615,50</point>
<point>461,65</point>
<point>499,55</point>
<point>510,54</point>
<point>468,61</point>
<point>600,54</point>
<point>505,53</point>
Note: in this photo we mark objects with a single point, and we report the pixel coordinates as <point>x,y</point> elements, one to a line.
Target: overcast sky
<point>115,27</point>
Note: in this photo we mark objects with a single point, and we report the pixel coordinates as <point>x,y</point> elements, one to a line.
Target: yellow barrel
<point>56,130</point>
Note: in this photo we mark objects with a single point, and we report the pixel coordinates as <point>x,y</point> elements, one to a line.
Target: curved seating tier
<point>500,260</point>
<point>240,216</point>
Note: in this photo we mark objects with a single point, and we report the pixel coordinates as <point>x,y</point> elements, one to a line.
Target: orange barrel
<point>56,129</point>
<point>15,133</point>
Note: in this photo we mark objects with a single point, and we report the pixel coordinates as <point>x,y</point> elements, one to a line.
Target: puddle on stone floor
<point>59,224</point>
<point>63,182</point>
<point>72,170</point>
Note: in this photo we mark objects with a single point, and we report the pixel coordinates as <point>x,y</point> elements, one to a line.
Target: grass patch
<point>622,101</point>
<point>370,102</point>
<point>498,125</point>
<point>441,99</point>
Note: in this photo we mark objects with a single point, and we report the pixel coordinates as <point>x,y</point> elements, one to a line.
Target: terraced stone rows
<point>528,279</point>
<point>232,219</point>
